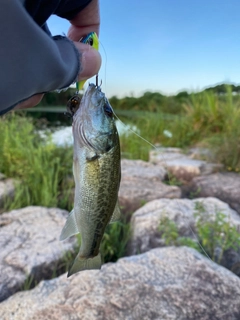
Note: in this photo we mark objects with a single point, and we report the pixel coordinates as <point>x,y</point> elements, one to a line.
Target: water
<point>63,136</point>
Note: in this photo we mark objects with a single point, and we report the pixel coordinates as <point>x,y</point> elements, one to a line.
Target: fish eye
<point>74,101</point>
<point>108,110</point>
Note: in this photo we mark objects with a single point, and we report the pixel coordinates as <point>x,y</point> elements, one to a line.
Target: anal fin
<point>70,227</point>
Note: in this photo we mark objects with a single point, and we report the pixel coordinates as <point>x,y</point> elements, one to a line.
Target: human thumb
<point>90,61</point>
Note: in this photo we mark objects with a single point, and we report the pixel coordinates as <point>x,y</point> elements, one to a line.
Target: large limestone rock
<point>141,182</point>
<point>146,220</point>
<point>6,189</point>
<point>30,246</point>
<point>166,283</point>
<point>182,166</point>
<point>225,186</point>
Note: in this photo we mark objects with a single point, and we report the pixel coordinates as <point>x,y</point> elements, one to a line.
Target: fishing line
<point>105,67</point>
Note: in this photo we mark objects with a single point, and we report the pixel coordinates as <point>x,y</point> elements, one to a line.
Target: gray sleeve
<point>31,62</point>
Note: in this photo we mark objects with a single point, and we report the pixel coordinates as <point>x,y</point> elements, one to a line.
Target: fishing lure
<point>92,40</point>
<point>73,104</point>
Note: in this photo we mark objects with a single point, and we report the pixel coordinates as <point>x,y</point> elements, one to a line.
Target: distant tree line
<point>149,101</point>
<point>223,88</point>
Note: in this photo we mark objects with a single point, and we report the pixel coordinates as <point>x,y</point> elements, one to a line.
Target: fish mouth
<point>93,87</point>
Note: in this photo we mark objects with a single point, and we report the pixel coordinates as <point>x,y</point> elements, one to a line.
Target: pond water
<point>63,136</point>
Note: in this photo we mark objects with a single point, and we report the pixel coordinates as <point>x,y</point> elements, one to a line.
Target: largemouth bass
<point>96,170</point>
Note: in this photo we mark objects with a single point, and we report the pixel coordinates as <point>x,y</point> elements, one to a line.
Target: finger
<point>29,103</point>
<point>90,61</point>
<point>86,21</point>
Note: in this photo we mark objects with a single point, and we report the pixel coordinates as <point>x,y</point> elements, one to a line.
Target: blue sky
<point>166,45</point>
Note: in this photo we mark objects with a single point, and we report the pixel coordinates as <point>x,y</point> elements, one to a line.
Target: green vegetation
<point>115,240</point>
<point>204,119</point>
<point>149,126</point>
<point>42,168</point>
<point>151,102</point>
<point>216,234</point>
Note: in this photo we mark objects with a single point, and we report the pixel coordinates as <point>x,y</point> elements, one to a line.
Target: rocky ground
<point>166,283</point>
<point>154,281</point>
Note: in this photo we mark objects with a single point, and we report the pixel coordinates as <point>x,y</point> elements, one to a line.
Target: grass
<point>42,168</point>
<point>211,121</point>
<point>115,241</point>
<point>205,119</point>
<point>150,126</point>
<point>216,234</point>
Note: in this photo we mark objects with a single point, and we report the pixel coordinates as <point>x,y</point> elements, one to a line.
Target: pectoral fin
<point>70,227</point>
<point>91,155</point>
<point>116,213</point>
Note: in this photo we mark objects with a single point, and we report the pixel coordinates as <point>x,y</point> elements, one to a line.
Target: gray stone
<point>6,190</point>
<point>141,182</point>
<point>30,246</point>
<point>146,220</point>
<point>2,176</point>
<point>165,283</point>
<point>143,169</point>
<point>225,186</point>
<point>201,153</point>
<point>182,166</point>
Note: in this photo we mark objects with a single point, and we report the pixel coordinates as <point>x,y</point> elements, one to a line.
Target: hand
<point>88,20</point>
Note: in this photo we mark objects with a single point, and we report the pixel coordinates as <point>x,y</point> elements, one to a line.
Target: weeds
<point>206,119</point>
<point>150,126</point>
<point>114,241</point>
<point>216,234</point>
<point>213,122</point>
<point>42,168</point>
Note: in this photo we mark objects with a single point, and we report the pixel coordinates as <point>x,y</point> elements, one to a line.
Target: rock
<point>141,182</point>
<point>182,166</point>
<point>2,176</point>
<point>201,153</point>
<point>6,190</point>
<point>143,169</point>
<point>165,283</point>
<point>30,246</point>
<point>146,220</point>
<point>225,186</point>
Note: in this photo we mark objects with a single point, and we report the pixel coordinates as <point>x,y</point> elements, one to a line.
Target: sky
<point>166,45</point>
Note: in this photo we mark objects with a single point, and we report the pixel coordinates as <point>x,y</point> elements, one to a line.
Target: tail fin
<point>81,264</point>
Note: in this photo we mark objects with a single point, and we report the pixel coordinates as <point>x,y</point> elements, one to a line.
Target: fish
<point>97,175</point>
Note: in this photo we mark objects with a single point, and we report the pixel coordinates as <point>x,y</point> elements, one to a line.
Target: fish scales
<point>98,198</point>
<point>96,169</point>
